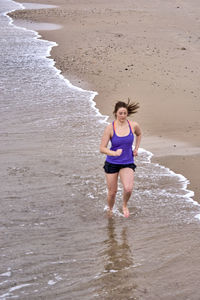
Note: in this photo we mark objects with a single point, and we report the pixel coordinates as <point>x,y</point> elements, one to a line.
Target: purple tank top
<point>122,142</point>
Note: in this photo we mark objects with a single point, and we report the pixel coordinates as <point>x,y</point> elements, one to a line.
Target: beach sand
<point>148,51</point>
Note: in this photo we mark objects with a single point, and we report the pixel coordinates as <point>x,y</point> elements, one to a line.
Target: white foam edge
<point>18,287</point>
<point>149,154</point>
<point>115,211</point>
<point>198,217</point>
<point>9,293</point>
<point>6,274</point>
<point>184,180</point>
<point>4,282</point>
<point>52,63</point>
<point>37,5</point>
<point>189,193</point>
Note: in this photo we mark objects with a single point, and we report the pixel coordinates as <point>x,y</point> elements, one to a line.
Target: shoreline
<point>170,141</point>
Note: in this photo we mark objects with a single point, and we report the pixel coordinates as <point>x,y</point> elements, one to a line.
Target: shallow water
<point>56,240</point>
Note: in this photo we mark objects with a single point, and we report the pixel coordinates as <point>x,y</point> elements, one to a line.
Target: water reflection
<point>117,281</point>
<point>118,253</point>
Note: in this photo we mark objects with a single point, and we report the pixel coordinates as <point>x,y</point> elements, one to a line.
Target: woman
<point>120,157</point>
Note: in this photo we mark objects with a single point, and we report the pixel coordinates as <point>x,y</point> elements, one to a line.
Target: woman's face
<point>121,114</point>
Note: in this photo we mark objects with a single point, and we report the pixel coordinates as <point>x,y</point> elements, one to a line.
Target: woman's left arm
<point>138,133</point>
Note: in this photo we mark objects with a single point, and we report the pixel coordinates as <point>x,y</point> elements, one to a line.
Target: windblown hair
<point>131,107</point>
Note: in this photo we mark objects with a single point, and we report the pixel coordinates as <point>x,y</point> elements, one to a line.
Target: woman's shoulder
<point>109,128</point>
<point>134,125</point>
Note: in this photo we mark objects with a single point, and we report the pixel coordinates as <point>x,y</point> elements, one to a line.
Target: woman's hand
<point>118,152</point>
<point>135,152</point>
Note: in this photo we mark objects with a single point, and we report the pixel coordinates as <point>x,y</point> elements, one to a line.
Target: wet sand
<point>146,51</point>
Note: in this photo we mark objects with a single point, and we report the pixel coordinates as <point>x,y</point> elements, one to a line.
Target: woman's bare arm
<point>138,133</point>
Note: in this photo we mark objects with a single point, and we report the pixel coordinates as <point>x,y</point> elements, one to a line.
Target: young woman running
<point>120,157</point>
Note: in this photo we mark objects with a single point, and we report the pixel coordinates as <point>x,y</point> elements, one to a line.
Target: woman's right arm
<point>104,143</point>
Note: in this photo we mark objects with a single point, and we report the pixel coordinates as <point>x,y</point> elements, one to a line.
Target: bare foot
<point>126,211</point>
<point>109,212</point>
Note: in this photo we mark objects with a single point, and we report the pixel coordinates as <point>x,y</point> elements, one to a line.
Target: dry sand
<point>146,50</point>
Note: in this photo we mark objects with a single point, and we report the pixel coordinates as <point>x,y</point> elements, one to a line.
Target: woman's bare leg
<point>112,180</point>
<point>127,179</point>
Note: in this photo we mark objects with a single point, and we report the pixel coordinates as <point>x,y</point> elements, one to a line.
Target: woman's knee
<point>112,192</point>
<point>128,189</point>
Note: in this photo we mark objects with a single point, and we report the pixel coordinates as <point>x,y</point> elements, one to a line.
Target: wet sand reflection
<point>118,279</point>
<point>118,252</point>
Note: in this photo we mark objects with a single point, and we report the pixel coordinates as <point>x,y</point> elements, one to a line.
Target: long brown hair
<point>131,107</point>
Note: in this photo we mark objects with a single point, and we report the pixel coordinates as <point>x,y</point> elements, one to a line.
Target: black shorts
<point>115,168</point>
